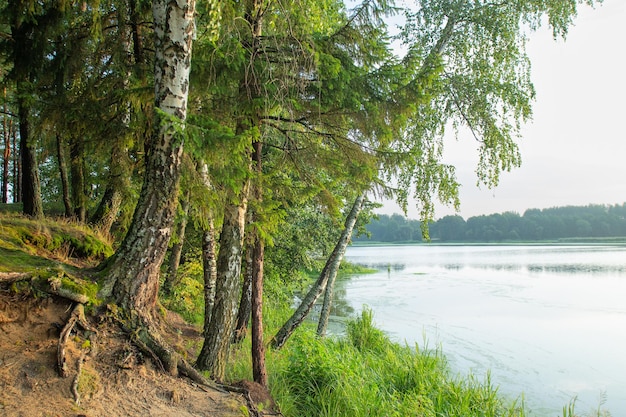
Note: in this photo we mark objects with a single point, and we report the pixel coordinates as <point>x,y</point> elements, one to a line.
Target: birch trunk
<point>133,274</point>
<point>328,294</point>
<point>209,272</point>
<point>219,330</point>
<point>6,134</point>
<point>245,302</point>
<point>330,270</point>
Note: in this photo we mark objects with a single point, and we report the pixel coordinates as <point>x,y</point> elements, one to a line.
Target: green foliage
<point>571,223</point>
<point>187,297</point>
<point>366,374</point>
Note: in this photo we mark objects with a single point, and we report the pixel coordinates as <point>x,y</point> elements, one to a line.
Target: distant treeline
<point>571,222</point>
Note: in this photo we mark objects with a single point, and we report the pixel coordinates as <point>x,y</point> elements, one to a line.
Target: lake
<point>546,321</point>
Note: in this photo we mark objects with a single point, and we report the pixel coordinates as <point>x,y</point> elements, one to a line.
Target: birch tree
<point>132,277</point>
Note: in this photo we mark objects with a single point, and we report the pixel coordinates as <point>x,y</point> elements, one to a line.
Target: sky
<point>574,148</point>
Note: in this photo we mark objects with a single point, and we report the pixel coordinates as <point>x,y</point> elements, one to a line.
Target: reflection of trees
<point>570,269</point>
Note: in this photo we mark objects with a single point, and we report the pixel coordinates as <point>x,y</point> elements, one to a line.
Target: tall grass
<point>366,374</point>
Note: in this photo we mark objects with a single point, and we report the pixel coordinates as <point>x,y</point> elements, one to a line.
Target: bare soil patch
<point>115,379</point>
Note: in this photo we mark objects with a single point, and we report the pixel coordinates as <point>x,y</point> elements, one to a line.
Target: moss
<point>88,383</point>
<point>80,286</point>
<point>15,260</point>
<point>27,245</point>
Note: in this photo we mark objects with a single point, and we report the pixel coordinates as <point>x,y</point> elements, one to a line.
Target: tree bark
<point>63,173</point>
<point>133,274</point>
<point>209,272</point>
<point>6,134</point>
<point>245,302</point>
<point>176,251</point>
<point>218,332</point>
<point>23,56</point>
<point>17,171</point>
<point>31,186</point>
<point>77,175</point>
<point>259,372</point>
<point>330,269</point>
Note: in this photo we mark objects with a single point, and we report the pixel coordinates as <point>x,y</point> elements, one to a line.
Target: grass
<point>52,251</point>
<point>366,374</point>
<point>25,242</point>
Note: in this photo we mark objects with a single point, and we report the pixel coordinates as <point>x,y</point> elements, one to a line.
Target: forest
<point>252,137</point>
<point>552,224</point>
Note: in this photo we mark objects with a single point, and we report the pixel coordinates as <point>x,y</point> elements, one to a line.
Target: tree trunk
<point>245,302</point>
<point>77,175</point>
<point>218,332</point>
<point>63,173</point>
<point>17,171</point>
<point>209,272</point>
<point>259,372</point>
<point>31,187</point>
<point>330,270</point>
<point>108,209</point>
<point>23,56</point>
<point>6,134</point>
<point>133,274</point>
<point>177,248</point>
<point>118,182</point>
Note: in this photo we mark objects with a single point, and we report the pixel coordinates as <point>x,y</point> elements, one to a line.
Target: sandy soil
<point>116,380</point>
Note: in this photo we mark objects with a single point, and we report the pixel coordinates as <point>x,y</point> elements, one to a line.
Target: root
<point>10,277</point>
<point>56,288</point>
<point>76,317</point>
<point>79,366</point>
<point>167,359</point>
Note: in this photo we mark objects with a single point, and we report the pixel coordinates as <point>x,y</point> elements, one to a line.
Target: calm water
<point>547,321</point>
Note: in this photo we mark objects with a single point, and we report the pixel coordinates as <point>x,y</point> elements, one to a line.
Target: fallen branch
<point>11,277</point>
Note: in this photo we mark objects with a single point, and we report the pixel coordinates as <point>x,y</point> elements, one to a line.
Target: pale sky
<point>574,149</point>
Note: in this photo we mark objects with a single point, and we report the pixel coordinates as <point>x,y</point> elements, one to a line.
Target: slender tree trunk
<point>245,302</point>
<point>6,134</point>
<point>63,173</point>
<point>330,270</point>
<point>17,171</point>
<point>218,332</point>
<point>133,273</point>
<point>177,248</point>
<point>109,207</point>
<point>259,372</point>
<point>77,164</point>
<point>209,272</point>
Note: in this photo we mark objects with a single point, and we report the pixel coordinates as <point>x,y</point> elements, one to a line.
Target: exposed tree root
<point>10,277</point>
<point>77,317</point>
<point>56,288</point>
<point>143,335</point>
<point>79,368</point>
<point>168,360</point>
